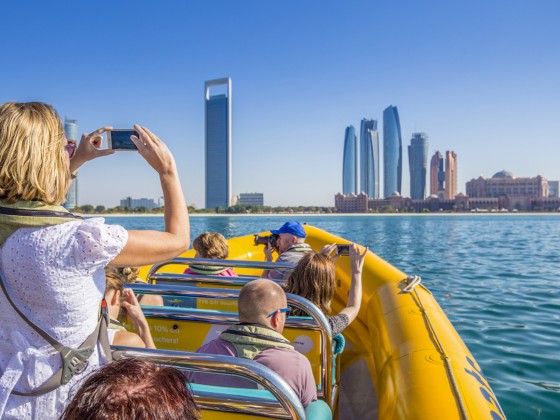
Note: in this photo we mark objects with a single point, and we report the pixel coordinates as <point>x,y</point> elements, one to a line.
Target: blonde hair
<point>33,162</point>
<point>314,279</point>
<point>211,245</point>
<point>116,277</point>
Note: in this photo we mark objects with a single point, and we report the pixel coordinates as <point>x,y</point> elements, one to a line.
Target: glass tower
<point>437,175</point>
<point>71,133</point>
<point>418,164</point>
<point>218,144</point>
<point>369,158</point>
<point>350,163</point>
<point>392,151</point>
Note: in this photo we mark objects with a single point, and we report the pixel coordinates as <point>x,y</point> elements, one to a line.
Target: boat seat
<point>275,398</point>
<point>309,335</point>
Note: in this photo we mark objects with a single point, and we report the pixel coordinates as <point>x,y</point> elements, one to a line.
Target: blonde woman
<point>123,301</point>
<point>211,245</point>
<point>51,262</point>
<point>314,278</point>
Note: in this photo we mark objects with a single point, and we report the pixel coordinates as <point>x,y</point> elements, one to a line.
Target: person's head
<point>261,302</point>
<point>211,245</point>
<point>290,233</point>
<point>116,277</point>
<point>314,278</point>
<point>34,162</point>
<point>130,389</point>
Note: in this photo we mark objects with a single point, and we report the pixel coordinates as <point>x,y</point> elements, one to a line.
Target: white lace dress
<point>55,276</point>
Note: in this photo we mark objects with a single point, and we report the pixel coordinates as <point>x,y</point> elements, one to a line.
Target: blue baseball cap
<point>295,228</point>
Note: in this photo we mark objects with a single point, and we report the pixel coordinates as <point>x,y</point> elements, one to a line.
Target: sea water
<point>497,277</point>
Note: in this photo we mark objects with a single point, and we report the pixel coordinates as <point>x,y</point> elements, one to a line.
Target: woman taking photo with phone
<point>314,278</point>
<point>51,262</point>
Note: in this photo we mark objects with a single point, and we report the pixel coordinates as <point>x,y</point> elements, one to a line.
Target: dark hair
<point>133,389</point>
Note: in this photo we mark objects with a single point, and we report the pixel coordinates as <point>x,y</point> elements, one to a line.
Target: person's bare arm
<point>149,246</point>
<point>355,294</point>
<point>136,317</point>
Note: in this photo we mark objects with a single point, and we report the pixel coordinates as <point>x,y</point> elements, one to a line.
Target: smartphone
<point>343,249</point>
<point>119,139</point>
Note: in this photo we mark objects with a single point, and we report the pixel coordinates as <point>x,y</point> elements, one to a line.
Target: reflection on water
<point>496,277</point>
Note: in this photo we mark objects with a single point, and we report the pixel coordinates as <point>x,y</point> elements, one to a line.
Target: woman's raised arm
<point>149,246</point>
<point>355,294</point>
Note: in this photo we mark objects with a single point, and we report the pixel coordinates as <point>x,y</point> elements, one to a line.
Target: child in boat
<point>130,275</point>
<point>122,304</point>
<point>314,279</point>
<point>211,245</point>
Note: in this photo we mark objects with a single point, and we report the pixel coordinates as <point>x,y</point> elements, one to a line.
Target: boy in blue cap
<point>291,248</point>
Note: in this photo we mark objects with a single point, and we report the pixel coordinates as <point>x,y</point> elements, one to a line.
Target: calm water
<point>496,277</point>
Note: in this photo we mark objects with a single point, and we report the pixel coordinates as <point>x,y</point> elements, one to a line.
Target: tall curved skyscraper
<point>350,163</point>
<point>418,165</point>
<point>392,151</point>
<point>369,158</point>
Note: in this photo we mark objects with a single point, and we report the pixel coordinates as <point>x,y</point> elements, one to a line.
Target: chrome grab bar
<point>264,265</point>
<point>228,365</point>
<point>295,301</point>
<point>196,278</point>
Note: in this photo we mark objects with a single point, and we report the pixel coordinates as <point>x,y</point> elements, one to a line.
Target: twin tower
<point>361,162</point>
<point>365,177</point>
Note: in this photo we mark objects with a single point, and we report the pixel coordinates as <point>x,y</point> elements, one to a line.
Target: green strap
<point>74,361</point>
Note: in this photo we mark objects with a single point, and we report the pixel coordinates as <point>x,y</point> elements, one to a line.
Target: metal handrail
<point>208,363</point>
<point>211,262</point>
<point>295,301</point>
<point>197,278</point>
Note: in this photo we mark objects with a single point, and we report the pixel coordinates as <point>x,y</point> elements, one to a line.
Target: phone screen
<point>120,139</point>
<point>343,249</point>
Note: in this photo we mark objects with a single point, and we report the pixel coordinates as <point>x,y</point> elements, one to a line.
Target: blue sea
<point>497,277</point>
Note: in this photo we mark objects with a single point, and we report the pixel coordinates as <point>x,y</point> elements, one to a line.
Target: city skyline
<point>485,94</point>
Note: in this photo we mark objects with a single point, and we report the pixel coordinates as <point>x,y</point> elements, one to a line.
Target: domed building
<point>514,192</point>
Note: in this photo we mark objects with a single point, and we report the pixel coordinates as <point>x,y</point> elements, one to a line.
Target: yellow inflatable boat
<point>402,360</point>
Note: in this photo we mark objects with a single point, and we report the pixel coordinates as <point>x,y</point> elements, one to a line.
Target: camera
<point>119,139</point>
<point>266,240</point>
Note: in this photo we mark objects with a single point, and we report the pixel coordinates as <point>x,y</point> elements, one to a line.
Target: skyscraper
<point>369,158</point>
<point>71,133</point>
<point>350,162</point>
<point>418,164</point>
<point>437,174</point>
<point>392,151</point>
<point>450,174</point>
<point>218,144</point>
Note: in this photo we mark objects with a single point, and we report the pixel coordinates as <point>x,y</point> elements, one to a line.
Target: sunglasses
<point>71,148</point>
<point>286,310</point>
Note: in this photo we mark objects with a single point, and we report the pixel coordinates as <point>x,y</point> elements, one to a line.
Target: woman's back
<point>54,274</point>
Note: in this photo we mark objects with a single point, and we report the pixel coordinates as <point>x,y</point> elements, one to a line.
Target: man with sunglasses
<point>263,311</point>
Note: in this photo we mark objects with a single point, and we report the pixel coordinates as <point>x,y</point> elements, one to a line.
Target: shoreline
<point>331,214</point>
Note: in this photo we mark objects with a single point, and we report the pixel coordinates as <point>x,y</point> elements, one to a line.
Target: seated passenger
<point>258,336</point>
<point>122,304</point>
<point>290,245</point>
<point>131,389</point>
<point>314,279</point>
<point>211,245</point>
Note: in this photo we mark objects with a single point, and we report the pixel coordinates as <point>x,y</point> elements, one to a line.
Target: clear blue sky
<point>480,77</point>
